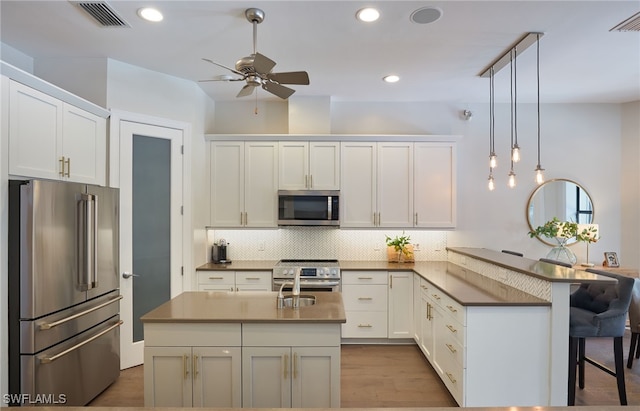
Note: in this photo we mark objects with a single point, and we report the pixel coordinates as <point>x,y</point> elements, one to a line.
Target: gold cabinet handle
<point>61,161</point>
<point>185,365</point>
<point>436,296</point>
<point>286,366</point>
<point>216,278</point>
<point>364,325</point>
<point>68,161</point>
<point>453,310</point>
<point>365,298</point>
<point>365,278</point>
<point>295,365</point>
<point>390,280</point>
<point>451,328</point>
<point>253,278</point>
<point>311,181</point>
<point>450,347</point>
<point>195,366</point>
<point>453,380</point>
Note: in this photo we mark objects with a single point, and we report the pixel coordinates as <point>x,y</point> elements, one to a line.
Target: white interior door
<point>151,254</point>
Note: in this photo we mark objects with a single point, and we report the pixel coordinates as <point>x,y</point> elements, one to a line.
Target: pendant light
<point>512,174</point>
<point>515,149</point>
<point>493,159</point>
<point>539,170</point>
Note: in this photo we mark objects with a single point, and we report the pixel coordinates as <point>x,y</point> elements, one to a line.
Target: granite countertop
<point>245,307</point>
<point>544,271</point>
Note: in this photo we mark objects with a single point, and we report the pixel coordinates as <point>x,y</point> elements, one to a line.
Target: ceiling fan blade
<point>262,64</point>
<point>279,90</point>
<point>222,77</point>
<point>291,77</point>
<point>225,67</point>
<point>246,90</point>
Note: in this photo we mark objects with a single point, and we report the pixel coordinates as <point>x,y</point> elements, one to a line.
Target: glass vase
<point>562,253</point>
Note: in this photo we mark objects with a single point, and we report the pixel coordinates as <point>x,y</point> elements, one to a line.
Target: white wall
<point>630,182</point>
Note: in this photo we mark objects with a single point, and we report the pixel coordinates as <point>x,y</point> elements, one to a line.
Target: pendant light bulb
<point>515,153</point>
<point>512,179</point>
<point>492,183</point>
<point>493,160</point>
<point>539,175</point>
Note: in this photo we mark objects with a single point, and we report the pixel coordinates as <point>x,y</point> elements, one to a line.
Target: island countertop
<point>245,307</point>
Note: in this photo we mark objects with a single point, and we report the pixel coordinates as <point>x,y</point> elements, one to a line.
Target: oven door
<point>307,285</point>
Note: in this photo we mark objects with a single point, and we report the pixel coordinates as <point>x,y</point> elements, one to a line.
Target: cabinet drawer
<point>449,346</point>
<point>363,324</point>
<point>364,298</point>
<point>453,377</point>
<point>453,329</point>
<point>364,277</point>
<point>453,308</point>
<point>262,278</point>
<point>216,277</point>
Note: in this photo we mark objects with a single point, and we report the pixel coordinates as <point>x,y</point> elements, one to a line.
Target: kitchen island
<point>229,349</point>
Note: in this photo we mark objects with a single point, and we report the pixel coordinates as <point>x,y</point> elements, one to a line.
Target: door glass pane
<point>151,198</point>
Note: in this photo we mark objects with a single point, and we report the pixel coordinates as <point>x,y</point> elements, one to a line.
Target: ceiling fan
<point>255,69</point>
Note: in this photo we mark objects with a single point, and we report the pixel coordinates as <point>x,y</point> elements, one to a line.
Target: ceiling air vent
<point>103,13</point>
<point>630,24</point>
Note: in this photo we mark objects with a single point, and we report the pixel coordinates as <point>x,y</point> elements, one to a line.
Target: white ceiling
<point>581,59</point>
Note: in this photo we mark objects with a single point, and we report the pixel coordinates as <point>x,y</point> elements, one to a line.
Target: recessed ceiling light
<point>392,78</point>
<point>368,14</point>
<point>150,14</point>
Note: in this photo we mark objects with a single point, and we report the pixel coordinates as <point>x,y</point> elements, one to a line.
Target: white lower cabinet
<point>177,374</point>
<point>224,280</point>
<point>400,304</point>
<point>365,298</point>
<point>286,366</point>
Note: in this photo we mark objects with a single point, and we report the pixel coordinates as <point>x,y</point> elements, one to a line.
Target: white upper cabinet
<point>309,165</point>
<point>49,138</point>
<point>244,183</point>
<point>435,185</point>
<point>377,185</point>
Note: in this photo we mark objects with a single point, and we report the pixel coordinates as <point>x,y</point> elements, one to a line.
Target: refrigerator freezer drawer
<point>66,373</point>
<point>36,335</point>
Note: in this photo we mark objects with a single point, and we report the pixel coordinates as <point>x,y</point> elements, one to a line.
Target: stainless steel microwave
<point>309,207</point>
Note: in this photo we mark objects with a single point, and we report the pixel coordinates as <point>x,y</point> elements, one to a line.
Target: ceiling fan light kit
<point>255,69</point>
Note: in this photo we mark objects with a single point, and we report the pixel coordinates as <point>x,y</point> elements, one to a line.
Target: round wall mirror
<point>564,199</point>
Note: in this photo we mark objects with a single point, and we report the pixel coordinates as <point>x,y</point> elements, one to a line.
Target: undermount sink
<point>303,300</point>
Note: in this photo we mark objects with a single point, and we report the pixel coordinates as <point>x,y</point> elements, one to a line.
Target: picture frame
<point>611,259</point>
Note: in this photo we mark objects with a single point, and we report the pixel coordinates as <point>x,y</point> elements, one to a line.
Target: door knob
<point>127,274</point>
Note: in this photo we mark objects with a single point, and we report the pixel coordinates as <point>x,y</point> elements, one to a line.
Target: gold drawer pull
<point>436,296</point>
<point>453,380</point>
<point>451,328</point>
<point>453,310</point>
<point>365,278</point>
<point>365,298</point>
<point>252,278</point>
<point>216,278</point>
<point>450,347</point>
<point>364,325</point>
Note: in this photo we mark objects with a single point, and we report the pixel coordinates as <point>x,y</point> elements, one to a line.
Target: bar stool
<point>598,310</point>
<point>634,323</point>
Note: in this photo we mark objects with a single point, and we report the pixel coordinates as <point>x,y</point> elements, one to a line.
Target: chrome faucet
<point>296,283</point>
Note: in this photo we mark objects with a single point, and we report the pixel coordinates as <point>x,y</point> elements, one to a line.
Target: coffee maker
<point>220,252</point>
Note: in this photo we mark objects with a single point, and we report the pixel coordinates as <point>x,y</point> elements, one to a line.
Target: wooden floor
<point>376,376</point>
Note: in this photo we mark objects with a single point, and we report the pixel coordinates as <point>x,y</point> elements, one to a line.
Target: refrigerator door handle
<point>47,326</point>
<point>49,359</point>
<point>87,241</point>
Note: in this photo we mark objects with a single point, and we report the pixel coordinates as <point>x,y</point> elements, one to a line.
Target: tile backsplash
<point>324,243</point>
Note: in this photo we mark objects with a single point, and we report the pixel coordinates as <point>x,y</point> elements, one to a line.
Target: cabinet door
<point>294,165</point>
<point>358,182</point>
<point>167,377</point>
<point>217,377</point>
<point>315,377</point>
<point>253,280</point>
<point>435,185</point>
<point>227,183</point>
<point>35,133</point>
<point>324,165</point>
<point>395,184</point>
<point>261,184</point>
<point>266,377</point>
<point>417,319</point>
<point>401,304</point>
<point>84,146</point>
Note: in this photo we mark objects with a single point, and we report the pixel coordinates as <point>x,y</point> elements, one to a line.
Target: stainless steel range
<point>315,275</point>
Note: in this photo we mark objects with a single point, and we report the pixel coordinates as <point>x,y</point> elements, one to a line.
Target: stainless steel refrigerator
<point>64,336</point>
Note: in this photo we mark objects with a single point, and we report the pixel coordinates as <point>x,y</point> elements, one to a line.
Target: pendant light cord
<point>538,85</point>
